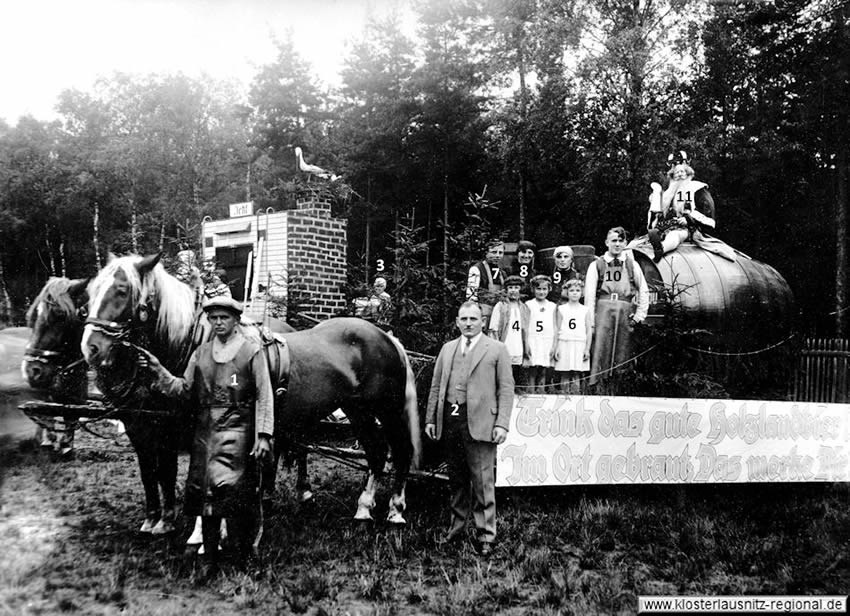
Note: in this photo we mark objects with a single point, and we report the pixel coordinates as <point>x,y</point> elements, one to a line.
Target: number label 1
<point>233,381</point>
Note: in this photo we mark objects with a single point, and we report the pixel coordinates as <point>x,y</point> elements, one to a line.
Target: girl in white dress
<point>575,333</point>
<point>542,334</point>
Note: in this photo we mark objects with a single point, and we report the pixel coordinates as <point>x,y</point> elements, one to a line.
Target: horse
<point>341,363</point>
<point>53,361</point>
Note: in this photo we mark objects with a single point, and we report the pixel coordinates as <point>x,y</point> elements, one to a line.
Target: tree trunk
<point>841,265</point>
<point>5,300</point>
<point>368,242</point>
<point>49,250</point>
<point>368,225</point>
<point>523,117</point>
<point>395,249</point>
<point>248,183</point>
<point>445,228</point>
<point>95,229</point>
<point>522,189</point>
<point>134,227</point>
<point>62,258</point>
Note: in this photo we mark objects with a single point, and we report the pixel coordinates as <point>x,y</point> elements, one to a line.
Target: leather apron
<point>612,334</point>
<point>222,475</point>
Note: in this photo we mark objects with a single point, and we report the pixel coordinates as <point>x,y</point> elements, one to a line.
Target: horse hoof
<point>196,538</point>
<point>147,526</point>
<point>363,515</point>
<point>162,528</point>
<point>396,518</point>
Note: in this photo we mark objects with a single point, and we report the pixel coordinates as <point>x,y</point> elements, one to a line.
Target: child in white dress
<point>575,333</point>
<point>542,334</point>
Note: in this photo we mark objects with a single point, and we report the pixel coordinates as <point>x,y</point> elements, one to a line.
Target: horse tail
<point>411,407</point>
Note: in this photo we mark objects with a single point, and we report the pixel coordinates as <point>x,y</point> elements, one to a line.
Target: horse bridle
<point>48,357</point>
<point>120,332</point>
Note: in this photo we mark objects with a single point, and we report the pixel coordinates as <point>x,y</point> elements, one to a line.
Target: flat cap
<point>223,302</point>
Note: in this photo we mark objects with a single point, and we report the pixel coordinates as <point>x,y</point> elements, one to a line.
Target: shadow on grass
<point>560,550</point>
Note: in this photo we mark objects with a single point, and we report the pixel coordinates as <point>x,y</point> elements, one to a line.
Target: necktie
<point>616,262</point>
<point>467,345</point>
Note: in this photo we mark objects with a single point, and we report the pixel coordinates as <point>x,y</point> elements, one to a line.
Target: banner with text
<point>559,440</point>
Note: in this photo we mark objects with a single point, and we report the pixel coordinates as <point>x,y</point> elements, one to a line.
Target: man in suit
<point>469,408</point>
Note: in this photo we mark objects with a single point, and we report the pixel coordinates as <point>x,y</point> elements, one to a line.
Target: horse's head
<point>56,319</point>
<point>134,300</point>
<point>119,307</point>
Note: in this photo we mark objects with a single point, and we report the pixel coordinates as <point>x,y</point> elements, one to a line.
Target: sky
<point>47,46</point>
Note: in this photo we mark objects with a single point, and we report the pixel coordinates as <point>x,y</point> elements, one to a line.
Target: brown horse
<point>343,363</point>
<point>53,361</point>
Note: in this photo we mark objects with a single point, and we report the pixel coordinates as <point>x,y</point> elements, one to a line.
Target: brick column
<point>317,247</point>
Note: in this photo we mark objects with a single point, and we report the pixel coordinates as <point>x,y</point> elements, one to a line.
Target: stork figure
<point>313,169</point>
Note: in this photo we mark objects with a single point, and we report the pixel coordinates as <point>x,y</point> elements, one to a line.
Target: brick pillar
<point>317,247</point>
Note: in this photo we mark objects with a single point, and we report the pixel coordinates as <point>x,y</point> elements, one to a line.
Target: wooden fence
<point>822,371</point>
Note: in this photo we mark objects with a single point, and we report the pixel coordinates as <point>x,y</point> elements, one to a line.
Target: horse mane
<point>173,300</point>
<point>54,292</point>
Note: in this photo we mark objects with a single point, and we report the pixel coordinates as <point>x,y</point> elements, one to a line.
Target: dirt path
<point>30,530</point>
<point>13,388</point>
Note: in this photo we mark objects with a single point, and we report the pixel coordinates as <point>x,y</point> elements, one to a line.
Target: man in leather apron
<point>229,378</point>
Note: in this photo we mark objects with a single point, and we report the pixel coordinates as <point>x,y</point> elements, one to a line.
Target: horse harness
<point>277,357</point>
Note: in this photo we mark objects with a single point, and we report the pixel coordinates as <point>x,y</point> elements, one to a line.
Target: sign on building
<point>242,209</point>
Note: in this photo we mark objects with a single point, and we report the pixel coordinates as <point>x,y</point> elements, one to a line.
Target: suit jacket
<point>489,389</point>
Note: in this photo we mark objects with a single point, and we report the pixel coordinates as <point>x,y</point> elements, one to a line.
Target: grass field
<point>69,545</point>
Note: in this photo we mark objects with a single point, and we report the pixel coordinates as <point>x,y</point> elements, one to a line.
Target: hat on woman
<point>223,302</point>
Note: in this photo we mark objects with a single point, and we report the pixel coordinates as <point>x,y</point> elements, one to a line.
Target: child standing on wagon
<point>575,333</point>
<point>542,330</point>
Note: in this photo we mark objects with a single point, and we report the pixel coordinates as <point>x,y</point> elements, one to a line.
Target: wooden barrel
<point>745,304</point>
